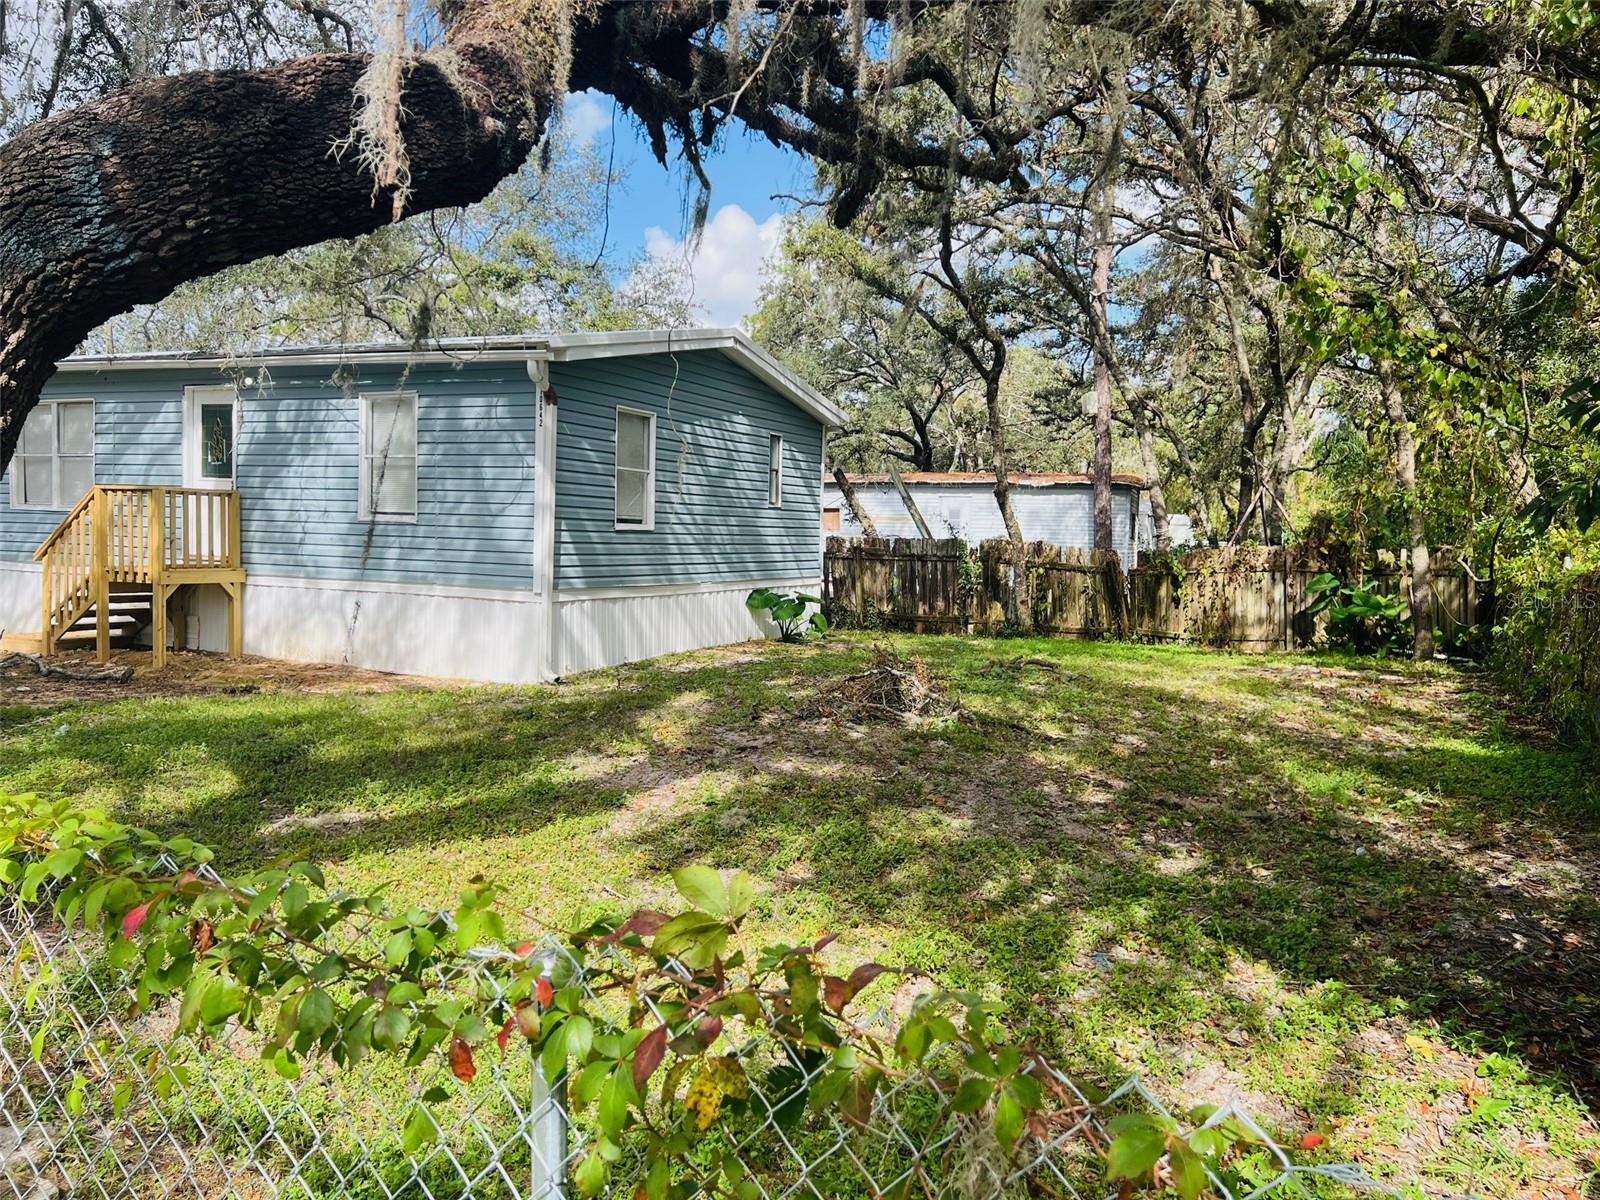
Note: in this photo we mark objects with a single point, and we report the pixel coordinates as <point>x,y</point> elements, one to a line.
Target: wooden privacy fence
<point>941,586</point>
<point>1250,598</point>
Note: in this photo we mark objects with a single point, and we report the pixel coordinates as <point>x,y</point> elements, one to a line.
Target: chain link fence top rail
<point>97,1101</point>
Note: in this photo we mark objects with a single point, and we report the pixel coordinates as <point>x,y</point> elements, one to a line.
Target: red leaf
<point>648,1056</point>
<point>645,922</point>
<point>824,942</point>
<point>1311,1141</point>
<point>836,992</point>
<point>134,918</point>
<point>524,950</point>
<point>505,1034</point>
<point>461,1064</point>
<point>863,975</point>
<point>527,1018</point>
<point>708,1030</point>
<point>202,936</point>
<point>543,992</point>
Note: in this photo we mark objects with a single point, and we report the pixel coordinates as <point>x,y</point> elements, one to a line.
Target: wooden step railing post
<point>47,582</point>
<point>99,574</point>
<point>157,551</point>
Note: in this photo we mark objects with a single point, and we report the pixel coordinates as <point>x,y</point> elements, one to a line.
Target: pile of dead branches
<point>105,673</point>
<point>891,688</point>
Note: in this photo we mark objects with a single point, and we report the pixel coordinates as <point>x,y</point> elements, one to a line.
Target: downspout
<point>546,657</point>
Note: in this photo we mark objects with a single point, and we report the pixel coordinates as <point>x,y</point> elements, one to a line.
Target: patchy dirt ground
<point>1364,899</point>
<point>192,674</point>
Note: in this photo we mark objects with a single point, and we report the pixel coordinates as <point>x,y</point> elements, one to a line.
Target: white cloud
<point>728,266</point>
<point>584,117</point>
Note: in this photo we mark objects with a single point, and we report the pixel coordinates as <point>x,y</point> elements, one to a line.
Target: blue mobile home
<point>507,509</point>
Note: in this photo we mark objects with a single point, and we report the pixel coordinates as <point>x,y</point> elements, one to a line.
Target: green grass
<point>1353,895</point>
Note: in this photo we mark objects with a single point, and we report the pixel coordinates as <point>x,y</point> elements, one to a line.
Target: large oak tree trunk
<point>1406,474</point>
<point>1100,292</point>
<point>118,202</point>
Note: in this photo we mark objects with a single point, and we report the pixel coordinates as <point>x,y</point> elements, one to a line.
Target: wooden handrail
<point>55,534</point>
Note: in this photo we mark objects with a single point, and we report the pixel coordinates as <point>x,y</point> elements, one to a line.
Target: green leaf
<point>702,887</point>
<point>553,1055</point>
<point>580,1037</point>
<point>315,1014</point>
<point>1188,1172</point>
<point>741,895</point>
<point>390,1027</point>
<point>1132,1154</point>
<point>972,1095</point>
<point>615,1096</point>
<point>397,947</point>
<point>295,897</point>
<point>590,1176</point>
<point>420,1130</point>
<point>1007,1120</point>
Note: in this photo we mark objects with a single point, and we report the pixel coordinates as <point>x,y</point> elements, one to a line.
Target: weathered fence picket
<point>1251,598</point>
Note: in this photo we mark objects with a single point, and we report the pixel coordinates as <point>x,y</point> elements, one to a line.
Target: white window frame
<point>775,470</point>
<point>649,521</point>
<point>366,513</point>
<point>55,458</point>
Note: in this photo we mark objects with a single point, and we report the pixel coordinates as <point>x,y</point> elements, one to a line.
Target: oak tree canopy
<point>131,169</point>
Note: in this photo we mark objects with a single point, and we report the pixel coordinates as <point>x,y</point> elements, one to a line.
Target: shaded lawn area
<point>1360,897</point>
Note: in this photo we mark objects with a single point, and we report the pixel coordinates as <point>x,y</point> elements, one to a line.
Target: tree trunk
<point>1021,613</point>
<point>848,491</point>
<point>1100,283</point>
<point>1406,473</point>
<point>1160,526</point>
<point>116,203</point>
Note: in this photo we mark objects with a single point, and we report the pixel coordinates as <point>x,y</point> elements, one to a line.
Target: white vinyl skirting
<point>482,634</point>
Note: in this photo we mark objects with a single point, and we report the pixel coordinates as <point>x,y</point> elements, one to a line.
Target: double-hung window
<point>389,457</point>
<point>54,464</point>
<point>775,471</point>
<point>636,469</point>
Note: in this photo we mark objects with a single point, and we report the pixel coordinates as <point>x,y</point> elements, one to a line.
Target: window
<point>636,469</point>
<point>216,441</point>
<point>54,465</point>
<point>389,457</point>
<point>775,471</point>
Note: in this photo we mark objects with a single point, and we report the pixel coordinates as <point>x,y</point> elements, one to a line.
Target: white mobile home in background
<point>1053,508</point>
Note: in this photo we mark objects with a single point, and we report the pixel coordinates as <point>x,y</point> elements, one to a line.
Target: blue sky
<point>650,210</point>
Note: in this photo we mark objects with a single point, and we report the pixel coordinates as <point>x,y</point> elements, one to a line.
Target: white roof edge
<point>499,349</point>
<point>735,343</point>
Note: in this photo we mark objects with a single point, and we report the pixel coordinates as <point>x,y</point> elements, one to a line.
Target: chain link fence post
<point>547,1117</point>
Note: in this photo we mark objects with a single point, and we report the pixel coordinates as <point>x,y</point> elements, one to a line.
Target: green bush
<point>788,612</point>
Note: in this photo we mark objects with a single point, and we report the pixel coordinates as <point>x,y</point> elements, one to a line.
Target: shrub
<point>788,612</point>
<point>1361,616</point>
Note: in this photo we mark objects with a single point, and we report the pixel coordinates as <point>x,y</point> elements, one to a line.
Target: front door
<point>210,426</point>
<point>210,421</point>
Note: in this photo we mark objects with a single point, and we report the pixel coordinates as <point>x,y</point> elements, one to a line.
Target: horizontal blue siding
<point>712,520</point>
<point>298,469</point>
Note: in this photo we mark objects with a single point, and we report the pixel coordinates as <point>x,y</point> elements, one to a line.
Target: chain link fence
<point>98,1099</point>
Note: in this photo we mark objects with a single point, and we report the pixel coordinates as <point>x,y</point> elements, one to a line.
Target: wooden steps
<point>128,614</point>
<point>112,566</point>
